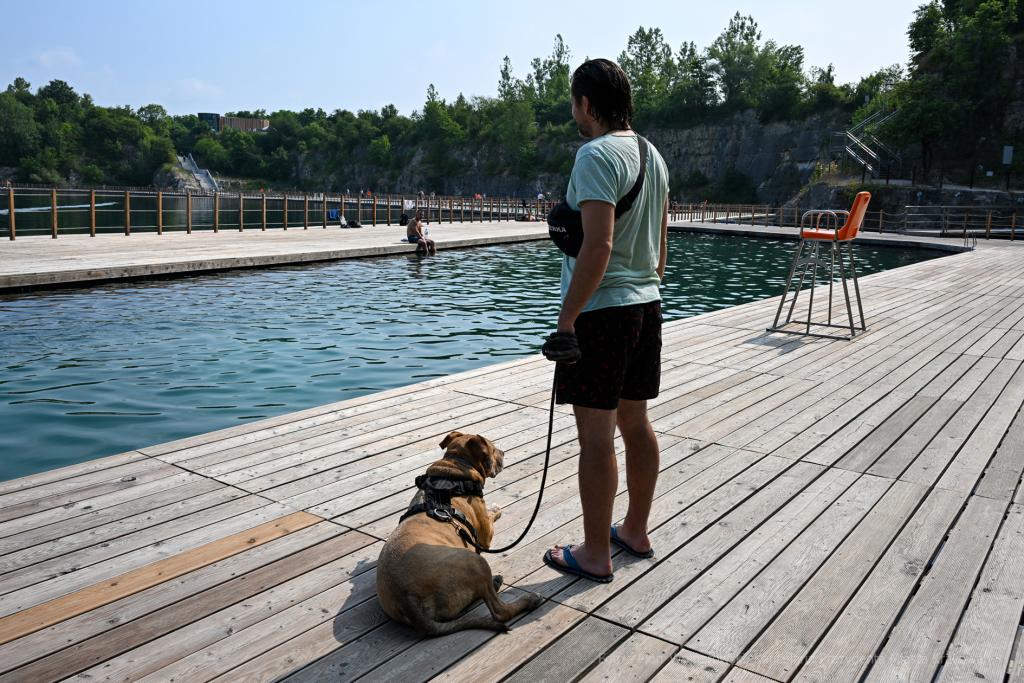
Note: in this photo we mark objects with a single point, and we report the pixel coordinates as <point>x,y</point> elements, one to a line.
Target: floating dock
<point>826,511</point>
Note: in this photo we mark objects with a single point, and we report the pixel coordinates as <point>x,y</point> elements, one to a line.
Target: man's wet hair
<point>607,87</point>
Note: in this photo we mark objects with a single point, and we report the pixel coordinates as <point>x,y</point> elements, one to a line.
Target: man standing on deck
<point>611,308</point>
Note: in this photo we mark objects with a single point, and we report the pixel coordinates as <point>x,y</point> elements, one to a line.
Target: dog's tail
<point>424,624</point>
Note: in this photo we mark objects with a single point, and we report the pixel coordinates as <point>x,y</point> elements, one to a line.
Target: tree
<point>19,133</point>
<point>647,60</point>
<point>733,59</point>
<point>279,166</point>
<point>58,91</point>
<point>152,115</point>
<point>925,118</point>
<point>380,151</point>
<point>211,154</point>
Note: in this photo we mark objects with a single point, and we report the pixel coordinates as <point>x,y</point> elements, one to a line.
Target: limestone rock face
<point>778,157</point>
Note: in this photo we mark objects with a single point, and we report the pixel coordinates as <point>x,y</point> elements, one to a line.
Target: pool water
<point>86,373</point>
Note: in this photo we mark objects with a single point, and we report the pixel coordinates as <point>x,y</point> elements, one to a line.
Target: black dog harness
<point>438,504</point>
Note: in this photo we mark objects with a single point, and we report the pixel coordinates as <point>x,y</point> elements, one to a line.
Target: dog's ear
<point>486,454</point>
<point>448,439</point>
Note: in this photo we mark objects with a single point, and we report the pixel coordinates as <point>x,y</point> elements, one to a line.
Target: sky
<point>228,56</point>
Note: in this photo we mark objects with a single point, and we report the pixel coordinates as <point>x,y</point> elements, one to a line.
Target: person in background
<point>414,233</point>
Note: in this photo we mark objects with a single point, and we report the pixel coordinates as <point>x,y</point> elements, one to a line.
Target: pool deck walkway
<point>826,511</point>
<point>40,261</point>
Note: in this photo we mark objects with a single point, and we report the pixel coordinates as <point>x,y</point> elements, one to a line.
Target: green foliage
<point>733,188</point>
<point>19,133</point>
<point>962,80</point>
<point>380,151</point>
<point>209,153</point>
<point>92,175</point>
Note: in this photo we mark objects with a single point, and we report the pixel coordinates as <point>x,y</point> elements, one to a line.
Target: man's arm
<point>598,229</point>
<point>663,258</point>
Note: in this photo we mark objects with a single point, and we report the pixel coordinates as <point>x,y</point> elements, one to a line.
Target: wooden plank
<point>49,578</point>
<point>575,652</point>
<point>35,618</point>
<point>30,500</point>
<point>33,549</point>
<point>920,638</point>
<point>69,472</point>
<point>857,427</point>
<point>891,461</point>
<point>93,636</point>
<point>650,588</point>
<point>680,618</point>
<point>967,467</point>
<point>634,661</point>
<point>428,657</point>
<point>691,667</point>
<point>983,644</point>
<point>101,505</point>
<point>739,622</point>
<point>864,454</point>
<point>878,602</point>
<point>339,650</point>
<point>787,641</point>
<point>1003,474</point>
<point>228,638</point>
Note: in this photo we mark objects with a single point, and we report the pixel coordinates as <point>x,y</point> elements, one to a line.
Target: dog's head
<point>487,458</point>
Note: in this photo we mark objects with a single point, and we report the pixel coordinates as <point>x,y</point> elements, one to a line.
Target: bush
<point>92,175</point>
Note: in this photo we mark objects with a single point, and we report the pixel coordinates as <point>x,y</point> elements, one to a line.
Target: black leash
<point>444,512</point>
<point>543,477</point>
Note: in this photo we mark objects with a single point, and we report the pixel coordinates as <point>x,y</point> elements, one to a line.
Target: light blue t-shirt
<point>605,170</point>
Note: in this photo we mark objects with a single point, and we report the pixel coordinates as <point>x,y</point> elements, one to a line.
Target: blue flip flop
<point>574,567</point>
<point>622,544</point>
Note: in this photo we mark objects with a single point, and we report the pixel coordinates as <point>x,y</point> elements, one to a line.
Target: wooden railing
<point>39,210</point>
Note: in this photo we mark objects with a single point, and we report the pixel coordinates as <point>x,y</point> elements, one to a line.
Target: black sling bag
<point>565,226</point>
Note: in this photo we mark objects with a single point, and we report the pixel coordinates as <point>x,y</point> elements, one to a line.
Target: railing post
<point>323,199</point>
<point>263,212</point>
<point>127,214</point>
<point>241,211</point>
<point>1013,227</point>
<point>451,210</point>
<point>373,198</point>
<point>10,212</point>
<point>216,211</point>
<point>53,213</point>
<point>881,218</point>
<point>305,213</point>
<point>462,209</point>
<point>188,212</point>
<point>388,200</point>
<point>285,211</point>
<point>988,227</point>
<point>92,213</point>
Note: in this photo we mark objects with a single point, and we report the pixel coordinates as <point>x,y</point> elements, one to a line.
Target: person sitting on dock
<point>414,233</point>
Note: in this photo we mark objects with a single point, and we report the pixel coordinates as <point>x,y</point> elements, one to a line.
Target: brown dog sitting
<point>427,572</point>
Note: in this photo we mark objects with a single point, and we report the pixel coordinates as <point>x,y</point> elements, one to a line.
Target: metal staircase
<point>860,144</point>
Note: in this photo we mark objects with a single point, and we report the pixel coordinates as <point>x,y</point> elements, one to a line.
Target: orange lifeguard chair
<point>816,237</point>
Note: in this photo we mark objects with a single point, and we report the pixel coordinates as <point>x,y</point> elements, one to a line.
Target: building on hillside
<point>219,123</point>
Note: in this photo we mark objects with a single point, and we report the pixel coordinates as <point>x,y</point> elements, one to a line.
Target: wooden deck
<point>826,511</point>
<point>40,261</point>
